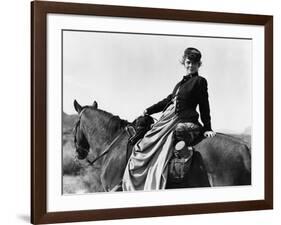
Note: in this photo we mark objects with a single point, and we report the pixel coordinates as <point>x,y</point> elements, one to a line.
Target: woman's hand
<point>209,134</point>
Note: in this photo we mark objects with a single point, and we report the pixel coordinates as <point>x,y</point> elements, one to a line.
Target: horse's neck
<point>103,128</point>
<point>104,136</point>
<point>113,127</point>
<point>113,136</point>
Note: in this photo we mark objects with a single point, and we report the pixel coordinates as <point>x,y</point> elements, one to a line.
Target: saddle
<point>186,167</point>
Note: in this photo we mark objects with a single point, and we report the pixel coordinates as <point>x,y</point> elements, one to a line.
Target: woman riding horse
<point>147,168</point>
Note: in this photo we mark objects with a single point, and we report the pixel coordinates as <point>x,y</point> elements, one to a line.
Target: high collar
<point>186,77</point>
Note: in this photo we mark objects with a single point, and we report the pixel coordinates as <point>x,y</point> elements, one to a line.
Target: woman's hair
<point>192,54</point>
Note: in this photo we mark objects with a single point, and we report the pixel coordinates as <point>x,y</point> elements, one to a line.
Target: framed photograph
<point>144,112</point>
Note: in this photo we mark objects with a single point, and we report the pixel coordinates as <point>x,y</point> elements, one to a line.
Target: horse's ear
<point>95,105</point>
<point>134,123</point>
<point>77,106</point>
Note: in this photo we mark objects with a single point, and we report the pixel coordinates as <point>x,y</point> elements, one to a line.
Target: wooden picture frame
<point>39,12</point>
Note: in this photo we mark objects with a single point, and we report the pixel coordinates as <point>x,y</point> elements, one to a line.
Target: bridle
<point>107,150</point>
<point>77,146</point>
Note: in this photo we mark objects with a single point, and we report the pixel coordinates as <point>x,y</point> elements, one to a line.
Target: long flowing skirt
<point>147,167</point>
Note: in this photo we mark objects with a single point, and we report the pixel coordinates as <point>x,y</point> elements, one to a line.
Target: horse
<point>227,159</point>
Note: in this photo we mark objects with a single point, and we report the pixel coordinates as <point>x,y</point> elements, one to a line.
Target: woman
<point>147,167</point>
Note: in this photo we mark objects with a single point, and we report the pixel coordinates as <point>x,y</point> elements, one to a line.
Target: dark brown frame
<point>39,11</point>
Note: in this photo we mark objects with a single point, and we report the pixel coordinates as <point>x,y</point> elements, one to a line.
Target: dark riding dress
<point>147,167</point>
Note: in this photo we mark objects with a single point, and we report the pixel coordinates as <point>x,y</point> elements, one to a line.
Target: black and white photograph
<point>155,111</point>
<point>149,112</point>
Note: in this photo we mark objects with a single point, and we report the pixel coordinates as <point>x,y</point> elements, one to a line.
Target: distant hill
<point>68,122</point>
<point>248,130</point>
<point>70,166</point>
<point>244,137</point>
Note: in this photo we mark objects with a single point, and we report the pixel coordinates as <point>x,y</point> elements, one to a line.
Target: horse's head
<point>81,143</point>
<point>95,129</point>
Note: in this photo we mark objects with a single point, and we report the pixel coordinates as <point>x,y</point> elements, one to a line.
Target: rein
<point>107,150</point>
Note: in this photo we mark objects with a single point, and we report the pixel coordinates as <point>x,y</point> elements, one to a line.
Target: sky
<point>126,73</point>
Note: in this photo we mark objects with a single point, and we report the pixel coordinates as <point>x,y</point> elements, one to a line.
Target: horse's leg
<point>211,179</point>
<point>114,165</point>
<point>197,175</point>
<point>111,175</point>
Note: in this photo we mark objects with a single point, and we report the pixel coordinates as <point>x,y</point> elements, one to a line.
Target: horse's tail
<point>247,158</point>
<point>246,177</point>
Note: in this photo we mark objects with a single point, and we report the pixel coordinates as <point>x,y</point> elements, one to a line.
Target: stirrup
<point>181,150</point>
<point>181,145</point>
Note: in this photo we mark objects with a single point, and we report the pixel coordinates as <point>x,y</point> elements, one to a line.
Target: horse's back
<point>227,159</point>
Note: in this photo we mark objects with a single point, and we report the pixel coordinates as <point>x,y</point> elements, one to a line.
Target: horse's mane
<point>114,122</point>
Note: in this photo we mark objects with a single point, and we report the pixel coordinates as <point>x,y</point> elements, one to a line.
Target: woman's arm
<point>158,107</point>
<point>204,106</point>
